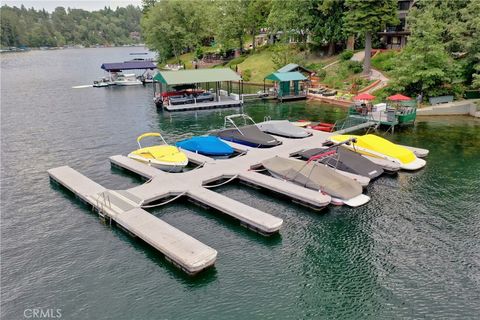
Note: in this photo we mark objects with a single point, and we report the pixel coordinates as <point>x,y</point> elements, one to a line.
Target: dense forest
<point>31,28</point>
<point>442,54</point>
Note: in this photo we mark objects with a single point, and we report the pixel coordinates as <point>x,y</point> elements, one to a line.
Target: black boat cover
<point>249,135</point>
<point>348,161</point>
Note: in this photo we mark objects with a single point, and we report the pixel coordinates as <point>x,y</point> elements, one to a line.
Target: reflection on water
<point>411,252</point>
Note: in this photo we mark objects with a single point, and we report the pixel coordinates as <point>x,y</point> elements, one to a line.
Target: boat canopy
<point>196,76</point>
<point>128,65</point>
<point>286,76</point>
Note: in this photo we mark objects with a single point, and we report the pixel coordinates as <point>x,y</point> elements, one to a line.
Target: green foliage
<point>369,15</point>
<point>346,55</point>
<point>385,61</point>
<point>283,54</point>
<point>328,24</point>
<point>247,75</point>
<point>172,27</point>
<point>425,65</point>
<point>321,73</point>
<point>293,18</point>
<point>354,66</point>
<point>198,53</point>
<point>28,27</point>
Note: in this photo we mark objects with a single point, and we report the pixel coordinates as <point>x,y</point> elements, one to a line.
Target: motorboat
<point>128,79</point>
<point>102,83</point>
<point>375,146</point>
<point>164,157</point>
<point>283,128</point>
<point>313,175</point>
<point>207,145</point>
<point>344,160</point>
<point>249,135</point>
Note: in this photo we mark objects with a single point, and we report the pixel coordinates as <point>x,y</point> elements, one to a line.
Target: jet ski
<point>164,157</point>
<point>344,160</point>
<point>249,135</point>
<point>319,177</point>
<point>207,145</point>
<point>283,128</point>
<point>375,146</point>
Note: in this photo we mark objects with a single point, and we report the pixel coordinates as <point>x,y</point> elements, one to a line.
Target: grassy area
<point>385,61</point>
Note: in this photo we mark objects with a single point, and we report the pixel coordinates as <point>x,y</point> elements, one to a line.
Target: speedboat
<point>207,145</point>
<point>344,160</point>
<point>312,175</point>
<point>164,157</point>
<point>249,135</point>
<point>283,128</point>
<point>375,146</point>
<point>129,79</point>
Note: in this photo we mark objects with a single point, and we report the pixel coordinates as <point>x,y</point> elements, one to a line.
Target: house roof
<point>293,66</point>
<point>128,65</point>
<point>196,76</point>
<point>286,76</point>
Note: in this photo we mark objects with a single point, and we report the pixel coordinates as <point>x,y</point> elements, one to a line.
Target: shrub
<point>199,53</point>
<point>385,60</point>
<point>321,73</point>
<point>246,75</point>
<point>354,66</point>
<point>346,55</point>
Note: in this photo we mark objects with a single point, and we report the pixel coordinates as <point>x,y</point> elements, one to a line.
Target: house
<point>395,37</point>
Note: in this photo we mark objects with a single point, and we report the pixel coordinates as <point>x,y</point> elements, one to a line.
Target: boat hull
<point>174,167</point>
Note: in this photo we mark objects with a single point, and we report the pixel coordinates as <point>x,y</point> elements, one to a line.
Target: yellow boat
<point>164,157</point>
<point>377,147</point>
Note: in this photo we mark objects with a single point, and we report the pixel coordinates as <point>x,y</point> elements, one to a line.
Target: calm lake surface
<point>412,252</point>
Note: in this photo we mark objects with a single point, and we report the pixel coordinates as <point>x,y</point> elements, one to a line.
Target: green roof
<point>196,76</point>
<point>286,76</point>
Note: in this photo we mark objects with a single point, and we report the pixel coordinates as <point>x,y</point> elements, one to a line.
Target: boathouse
<point>116,67</point>
<point>288,85</point>
<point>197,89</point>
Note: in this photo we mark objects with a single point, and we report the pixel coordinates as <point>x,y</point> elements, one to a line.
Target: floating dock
<point>126,207</point>
<point>187,253</point>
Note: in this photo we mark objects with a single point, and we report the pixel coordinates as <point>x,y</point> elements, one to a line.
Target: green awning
<point>196,76</point>
<point>286,76</point>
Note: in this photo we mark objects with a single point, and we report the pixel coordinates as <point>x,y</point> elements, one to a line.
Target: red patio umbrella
<point>364,96</point>
<point>399,97</point>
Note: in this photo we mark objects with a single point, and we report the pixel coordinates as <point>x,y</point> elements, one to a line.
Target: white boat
<point>128,79</point>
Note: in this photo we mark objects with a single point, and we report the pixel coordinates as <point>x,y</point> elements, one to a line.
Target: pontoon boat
<point>129,79</point>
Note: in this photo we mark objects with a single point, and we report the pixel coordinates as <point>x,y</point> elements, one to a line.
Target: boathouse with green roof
<point>288,85</point>
<point>197,89</point>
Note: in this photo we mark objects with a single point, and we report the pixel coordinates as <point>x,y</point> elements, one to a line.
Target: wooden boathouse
<point>197,89</point>
<point>289,85</point>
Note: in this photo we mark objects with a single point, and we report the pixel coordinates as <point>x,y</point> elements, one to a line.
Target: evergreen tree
<point>368,17</point>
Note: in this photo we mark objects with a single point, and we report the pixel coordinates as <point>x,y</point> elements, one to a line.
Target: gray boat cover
<point>283,128</point>
<point>249,135</point>
<point>313,176</point>
<point>348,161</point>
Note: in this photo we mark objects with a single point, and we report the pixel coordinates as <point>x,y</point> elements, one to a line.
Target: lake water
<point>412,252</point>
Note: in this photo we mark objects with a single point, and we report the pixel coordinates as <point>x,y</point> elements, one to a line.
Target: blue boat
<point>208,145</point>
